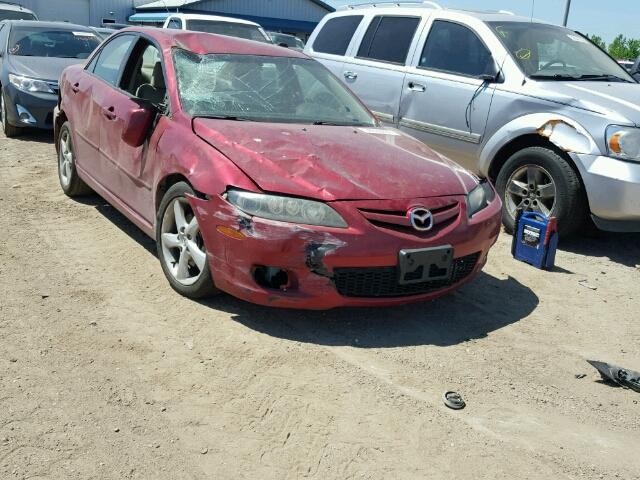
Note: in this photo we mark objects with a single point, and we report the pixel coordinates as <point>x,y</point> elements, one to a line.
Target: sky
<point>588,16</point>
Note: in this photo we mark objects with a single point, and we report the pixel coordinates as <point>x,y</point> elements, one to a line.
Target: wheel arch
<point>57,125</point>
<point>559,133</point>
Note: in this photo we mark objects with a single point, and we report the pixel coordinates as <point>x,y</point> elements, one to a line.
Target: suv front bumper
<point>613,190</point>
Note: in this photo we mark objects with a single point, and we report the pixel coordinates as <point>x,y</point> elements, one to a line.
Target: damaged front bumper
<point>613,190</point>
<point>332,267</point>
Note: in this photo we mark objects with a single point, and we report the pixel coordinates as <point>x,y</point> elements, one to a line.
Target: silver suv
<point>550,118</point>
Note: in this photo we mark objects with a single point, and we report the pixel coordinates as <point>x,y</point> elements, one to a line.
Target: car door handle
<point>75,88</point>
<point>109,113</point>
<point>350,75</point>
<point>417,87</point>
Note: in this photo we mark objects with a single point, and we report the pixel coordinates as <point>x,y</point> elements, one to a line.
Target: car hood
<point>44,68</point>
<point>619,101</point>
<point>333,162</point>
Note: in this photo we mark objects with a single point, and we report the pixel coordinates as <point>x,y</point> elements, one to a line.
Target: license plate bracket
<point>425,264</point>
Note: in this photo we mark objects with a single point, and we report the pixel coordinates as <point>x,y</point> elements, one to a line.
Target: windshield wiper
<point>556,77</point>
<point>603,78</point>
<point>233,118</point>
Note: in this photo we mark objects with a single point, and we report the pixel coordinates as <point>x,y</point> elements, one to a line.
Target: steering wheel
<point>553,62</point>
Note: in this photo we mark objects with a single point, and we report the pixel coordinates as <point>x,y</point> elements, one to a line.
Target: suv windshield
<point>546,52</point>
<point>51,42</point>
<point>240,30</point>
<point>265,89</point>
<point>16,15</point>
<point>289,40</point>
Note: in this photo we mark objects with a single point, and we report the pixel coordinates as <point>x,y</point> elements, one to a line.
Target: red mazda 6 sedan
<point>259,174</point>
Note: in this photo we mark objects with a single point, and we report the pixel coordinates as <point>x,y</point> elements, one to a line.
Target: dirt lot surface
<point>107,373</point>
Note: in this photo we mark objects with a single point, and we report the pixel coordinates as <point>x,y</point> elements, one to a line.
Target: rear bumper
<point>312,256</point>
<point>613,190</point>
<point>33,110</point>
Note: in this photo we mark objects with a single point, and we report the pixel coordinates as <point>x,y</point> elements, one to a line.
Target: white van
<point>233,27</point>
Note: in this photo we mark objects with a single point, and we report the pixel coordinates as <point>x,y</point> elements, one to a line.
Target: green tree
<point>633,47</point>
<point>619,48</point>
<point>597,39</point>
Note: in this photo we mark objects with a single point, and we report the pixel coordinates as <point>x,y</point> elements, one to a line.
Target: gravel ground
<point>107,373</point>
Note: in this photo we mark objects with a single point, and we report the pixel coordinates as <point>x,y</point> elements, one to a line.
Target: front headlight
<point>29,84</point>
<point>623,142</point>
<point>286,209</point>
<point>480,197</point>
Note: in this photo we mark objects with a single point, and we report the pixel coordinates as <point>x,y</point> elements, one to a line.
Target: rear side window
<point>388,39</point>
<point>175,23</point>
<point>112,57</point>
<point>454,48</point>
<point>335,36</point>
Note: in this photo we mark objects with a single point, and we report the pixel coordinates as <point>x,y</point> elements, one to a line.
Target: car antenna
<point>533,7</point>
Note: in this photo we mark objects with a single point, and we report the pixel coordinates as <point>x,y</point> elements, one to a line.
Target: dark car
<point>258,173</point>
<point>103,33</point>
<point>32,57</point>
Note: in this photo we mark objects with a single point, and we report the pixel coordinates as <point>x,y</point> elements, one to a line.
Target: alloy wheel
<point>182,245</point>
<point>530,188</point>
<point>65,158</point>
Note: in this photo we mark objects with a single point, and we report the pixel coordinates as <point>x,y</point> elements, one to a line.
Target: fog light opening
<point>271,277</point>
<point>25,116</point>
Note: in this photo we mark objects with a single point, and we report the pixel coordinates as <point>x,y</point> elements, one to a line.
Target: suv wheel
<point>8,130</point>
<point>538,179</point>
<point>180,245</point>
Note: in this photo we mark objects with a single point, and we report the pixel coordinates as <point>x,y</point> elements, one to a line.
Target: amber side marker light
<point>614,143</point>
<point>230,232</point>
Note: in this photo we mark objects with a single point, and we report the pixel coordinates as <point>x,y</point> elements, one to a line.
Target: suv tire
<point>555,174</point>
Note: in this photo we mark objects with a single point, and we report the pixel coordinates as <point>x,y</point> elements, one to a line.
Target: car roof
<point>412,9</point>
<point>58,25</point>
<point>14,7</point>
<point>213,18</point>
<point>205,43</point>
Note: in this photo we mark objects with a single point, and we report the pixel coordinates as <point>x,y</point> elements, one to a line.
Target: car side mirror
<point>492,73</point>
<point>137,123</point>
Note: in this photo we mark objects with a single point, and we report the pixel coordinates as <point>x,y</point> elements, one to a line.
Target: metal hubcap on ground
<point>182,245</point>
<point>530,188</point>
<point>65,158</point>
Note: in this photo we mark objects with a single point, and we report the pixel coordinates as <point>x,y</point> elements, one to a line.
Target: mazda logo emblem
<point>421,219</point>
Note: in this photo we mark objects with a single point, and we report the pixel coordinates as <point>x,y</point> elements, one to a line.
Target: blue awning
<point>151,17</point>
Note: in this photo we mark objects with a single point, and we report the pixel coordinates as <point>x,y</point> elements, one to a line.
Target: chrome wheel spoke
<point>178,212</point>
<point>517,188</point>
<point>182,266</point>
<point>170,240</point>
<point>197,255</point>
<point>546,191</point>
<point>192,227</point>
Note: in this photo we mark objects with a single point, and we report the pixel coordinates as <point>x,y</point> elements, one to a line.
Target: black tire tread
<point>571,202</point>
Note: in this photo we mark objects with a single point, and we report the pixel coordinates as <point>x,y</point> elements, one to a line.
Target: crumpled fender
<point>562,131</point>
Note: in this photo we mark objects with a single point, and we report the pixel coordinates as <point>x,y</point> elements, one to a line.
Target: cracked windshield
<point>265,89</point>
<point>546,52</point>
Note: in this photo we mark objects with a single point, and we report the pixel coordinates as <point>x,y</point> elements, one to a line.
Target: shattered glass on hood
<point>265,89</point>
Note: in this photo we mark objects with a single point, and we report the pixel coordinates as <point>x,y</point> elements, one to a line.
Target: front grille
<point>383,281</point>
<point>443,216</point>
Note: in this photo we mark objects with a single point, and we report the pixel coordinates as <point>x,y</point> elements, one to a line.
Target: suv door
<point>142,84</point>
<point>332,41</point>
<point>376,73</point>
<point>89,92</point>
<point>444,102</point>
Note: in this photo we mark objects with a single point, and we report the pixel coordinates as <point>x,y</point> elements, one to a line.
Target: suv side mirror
<point>492,73</point>
<point>137,123</point>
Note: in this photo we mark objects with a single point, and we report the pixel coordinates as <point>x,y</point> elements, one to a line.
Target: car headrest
<point>157,79</point>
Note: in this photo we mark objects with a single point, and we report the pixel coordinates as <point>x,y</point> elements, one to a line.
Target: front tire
<point>180,244</point>
<point>72,185</point>
<point>8,130</point>
<point>538,179</point>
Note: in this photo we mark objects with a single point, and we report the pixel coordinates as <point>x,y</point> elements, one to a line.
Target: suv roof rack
<point>435,5</point>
